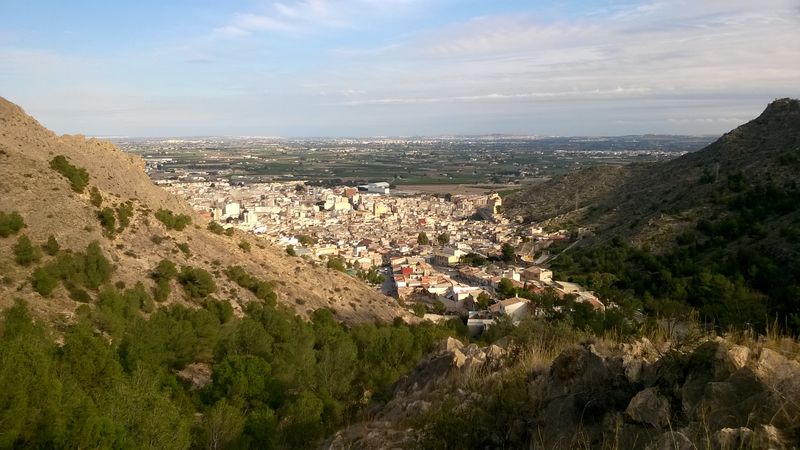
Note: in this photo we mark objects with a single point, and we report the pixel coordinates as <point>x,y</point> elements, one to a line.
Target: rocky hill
<point>653,203</point>
<point>717,229</point>
<point>551,393</point>
<point>50,204</point>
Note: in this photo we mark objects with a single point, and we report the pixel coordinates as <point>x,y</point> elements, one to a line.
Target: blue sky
<point>397,67</point>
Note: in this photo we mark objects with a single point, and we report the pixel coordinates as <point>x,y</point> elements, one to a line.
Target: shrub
<point>229,231</point>
<point>78,294</point>
<point>197,282</point>
<point>184,247</point>
<point>124,213</point>
<point>261,289</point>
<point>97,268</point>
<point>173,221</point>
<point>215,228</point>
<point>162,290</point>
<point>94,197</point>
<point>10,223</point>
<point>336,264</point>
<point>44,280</point>
<point>107,220</point>
<point>165,270</point>
<point>51,247</point>
<point>290,250</point>
<point>244,245</point>
<point>77,176</point>
<point>25,253</point>
<point>137,295</point>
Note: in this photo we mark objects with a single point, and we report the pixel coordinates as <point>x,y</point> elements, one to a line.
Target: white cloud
<point>657,50</point>
<point>313,16</point>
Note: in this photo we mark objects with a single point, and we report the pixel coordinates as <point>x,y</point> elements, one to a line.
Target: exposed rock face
<point>649,407</point>
<point>712,394</point>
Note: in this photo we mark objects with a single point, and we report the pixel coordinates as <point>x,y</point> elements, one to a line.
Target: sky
<point>298,68</point>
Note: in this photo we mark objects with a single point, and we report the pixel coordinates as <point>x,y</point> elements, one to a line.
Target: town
<point>442,256</point>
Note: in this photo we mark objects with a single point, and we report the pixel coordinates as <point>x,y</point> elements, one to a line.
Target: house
<point>568,288</point>
<point>515,307</point>
<point>447,256</point>
<point>539,274</point>
<point>590,298</point>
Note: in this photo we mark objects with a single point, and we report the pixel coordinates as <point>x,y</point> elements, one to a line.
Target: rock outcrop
<point>634,395</point>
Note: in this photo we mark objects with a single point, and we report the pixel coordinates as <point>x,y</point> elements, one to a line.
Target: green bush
<point>97,268</point>
<point>215,228</point>
<point>51,247</point>
<point>25,253</point>
<point>124,213</point>
<point>196,282</point>
<point>165,270</point>
<point>94,197</point>
<point>229,231</point>
<point>336,264</point>
<point>290,250</point>
<point>173,221</point>
<point>263,290</point>
<point>78,177</point>
<point>245,246</point>
<point>107,220</point>
<point>184,247</point>
<point>10,223</point>
<point>44,280</point>
<point>162,290</point>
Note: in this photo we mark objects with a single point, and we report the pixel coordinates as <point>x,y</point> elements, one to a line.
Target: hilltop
<point>30,186</point>
<point>642,201</point>
<point>717,229</point>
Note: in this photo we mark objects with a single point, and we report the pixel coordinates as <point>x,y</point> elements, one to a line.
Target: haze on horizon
<point>397,67</point>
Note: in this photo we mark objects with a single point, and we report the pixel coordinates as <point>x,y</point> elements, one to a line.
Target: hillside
<point>49,207</point>
<point>717,229</point>
<point>643,201</point>
<point>547,387</point>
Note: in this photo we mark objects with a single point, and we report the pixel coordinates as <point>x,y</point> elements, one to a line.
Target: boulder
<point>649,407</point>
<point>739,354</point>
<point>473,362</point>
<point>458,359</point>
<point>636,357</point>
<point>735,402</point>
<point>450,344</point>
<point>495,352</point>
<point>471,350</point>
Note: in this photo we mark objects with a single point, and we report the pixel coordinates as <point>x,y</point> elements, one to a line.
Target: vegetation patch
<point>10,223</point>
<point>95,198</point>
<point>25,253</point>
<point>78,177</point>
<point>89,270</point>
<point>173,221</point>
<point>263,290</point>
<point>196,282</point>
<point>215,228</point>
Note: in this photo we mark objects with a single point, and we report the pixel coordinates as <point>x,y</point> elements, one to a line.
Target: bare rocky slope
<point>49,206</point>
